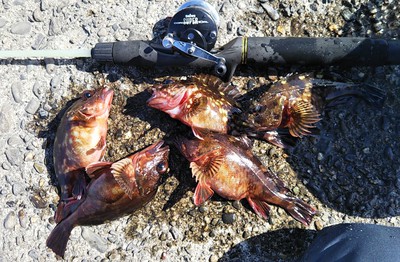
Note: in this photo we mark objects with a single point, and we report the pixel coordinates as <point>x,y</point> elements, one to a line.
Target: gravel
<point>350,172</point>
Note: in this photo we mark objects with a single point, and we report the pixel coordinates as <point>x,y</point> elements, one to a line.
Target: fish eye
<point>168,82</point>
<point>87,95</point>
<point>161,167</point>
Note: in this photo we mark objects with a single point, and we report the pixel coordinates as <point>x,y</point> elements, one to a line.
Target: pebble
<point>21,28</point>
<point>389,153</point>
<point>37,90</point>
<point>236,204</point>
<point>175,233</point>
<point>229,27</point>
<point>3,22</point>
<point>213,258</point>
<point>17,189</point>
<point>23,219</point>
<point>102,32</point>
<point>94,240</point>
<point>124,25</point>
<point>10,221</point>
<point>347,15</point>
<point>6,166</point>
<point>366,150</point>
<point>229,218</point>
<point>54,27</point>
<point>38,15</point>
<point>320,157</point>
<point>242,5</point>
<point>15,141</point>
<point>5,121</point>
<point>50,66</point>
<point>13,156</point>
<point>318,225</point>
<point>55,82</point>
<point>16,91</point>
<point>32,106</point>
<point>272,13</point>
<point>38,167</point>
<point>251,84</point>
<point>33,254</point>
<point>43,114</point>
<point>241,31</point>
<point>37,201</point>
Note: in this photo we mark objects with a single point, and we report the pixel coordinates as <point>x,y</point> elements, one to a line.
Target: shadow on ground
<point>280,245</point>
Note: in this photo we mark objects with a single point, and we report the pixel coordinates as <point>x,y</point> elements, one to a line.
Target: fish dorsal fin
<point>302,117</point>
<point>206,166</point>
<point>124,173</point>
<point>95,166</point>
<point>202,193</point>
<point>218,86</point>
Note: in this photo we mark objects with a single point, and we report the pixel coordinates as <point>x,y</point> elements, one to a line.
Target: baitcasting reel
<point>193,31</point>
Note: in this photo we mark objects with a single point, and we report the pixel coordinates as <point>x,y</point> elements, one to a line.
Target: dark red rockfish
<point>116,189</point>
<point>80,140</point>
<point>226,165</point>
<point>203,102</point>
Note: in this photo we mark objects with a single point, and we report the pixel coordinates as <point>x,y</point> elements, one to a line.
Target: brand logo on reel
<point>191,19</point>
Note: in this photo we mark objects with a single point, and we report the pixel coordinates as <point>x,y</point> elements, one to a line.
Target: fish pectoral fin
<point>302,117</point>
<point>273,138</point>
<point>202,193</point>
<point>124,173</point>
<point>95,166</point>
<point>260,207</point>
<point>199,132</point>
<point>206,166</point>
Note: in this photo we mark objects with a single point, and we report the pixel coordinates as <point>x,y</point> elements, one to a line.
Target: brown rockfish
<point>226,165</point>
<point>80,140</point>
<point>115,189</point>
<point>203,102</point>
<point>296,102</point>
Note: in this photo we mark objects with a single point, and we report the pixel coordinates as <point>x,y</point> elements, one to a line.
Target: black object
<point>346,51</point>
<point>196,23</point>
<point>355,242</point>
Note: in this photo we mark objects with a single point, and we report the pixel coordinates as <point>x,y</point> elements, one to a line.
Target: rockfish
<point>296,102</point>
<point>225,164</point>
<point>203,102</point>
<point>115,189</point>
<point>80,140</point>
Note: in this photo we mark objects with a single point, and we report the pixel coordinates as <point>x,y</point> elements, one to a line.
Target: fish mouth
<point>162,101</point>
<point>107,95</point>
<point>158,149</point>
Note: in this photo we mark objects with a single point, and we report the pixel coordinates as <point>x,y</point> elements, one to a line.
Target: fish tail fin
<point>58,238</point>
<point>278,138</point>
<point>300,210</point>
<point>370,93</point>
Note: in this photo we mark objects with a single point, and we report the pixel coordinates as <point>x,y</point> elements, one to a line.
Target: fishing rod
<point>191,37</point>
